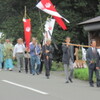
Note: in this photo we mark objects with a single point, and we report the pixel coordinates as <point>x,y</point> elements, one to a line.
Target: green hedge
<point>82,74</point>
<point>57,66</point>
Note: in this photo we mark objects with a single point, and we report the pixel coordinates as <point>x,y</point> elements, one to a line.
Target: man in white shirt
<point>18,53</point>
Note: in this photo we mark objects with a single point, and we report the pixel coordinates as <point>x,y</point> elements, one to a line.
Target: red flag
<point>48,7</point>
<point>27,31</point>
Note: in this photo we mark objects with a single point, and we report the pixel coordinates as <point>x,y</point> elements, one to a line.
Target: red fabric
<point>46,2</point>
<point>60,22</point>
<point>48,5</point>
<point>27,31</point>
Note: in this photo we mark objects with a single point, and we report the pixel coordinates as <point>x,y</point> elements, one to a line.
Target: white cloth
<point>19,48</point>
<point>98,51</point>
<point>83,54</point>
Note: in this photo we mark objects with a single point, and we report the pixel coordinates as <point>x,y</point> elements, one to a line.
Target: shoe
<point>10,69</point>
<point>26,72</point>
<point>70,80</point>
<point>91,85</point>
<point>0,69</point>
<point>37,73</point>
<point>98,85</point>
<point>47,77</point>
<point>67,82</point>
<point>20,71</point>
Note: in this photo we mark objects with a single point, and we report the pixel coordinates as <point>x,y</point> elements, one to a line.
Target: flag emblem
<point>28,29</point>
<point>47,5</point>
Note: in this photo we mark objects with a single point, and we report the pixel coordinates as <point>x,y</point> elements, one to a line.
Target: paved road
<point>21,86</point>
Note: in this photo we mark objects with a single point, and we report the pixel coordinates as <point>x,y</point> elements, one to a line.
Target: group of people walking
<point>29,58</point>
<point>33,57</point>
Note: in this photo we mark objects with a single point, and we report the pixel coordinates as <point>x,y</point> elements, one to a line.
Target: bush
<point>57,66</point>
<point>82,74</point>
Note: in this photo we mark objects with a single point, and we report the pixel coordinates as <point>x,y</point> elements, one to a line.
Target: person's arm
<point>98,61</point>
<point>72,53</point>
<point>24,47</point>
<point>51,49</point>
<point>38,50</point>
<point>14,51</point>
<point>44,50</point>
<point>88,56</point>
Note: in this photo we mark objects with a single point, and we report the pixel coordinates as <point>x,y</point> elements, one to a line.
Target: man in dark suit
<point>98,70</point>
<point>47,51</point>
<point>92,61</point>
<point>68,59</point>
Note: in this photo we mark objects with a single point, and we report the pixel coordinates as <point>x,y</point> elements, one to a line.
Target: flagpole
<point>40,20</point>
<point>27,50</point>
<point>78,45</point>
<point>25,11</point>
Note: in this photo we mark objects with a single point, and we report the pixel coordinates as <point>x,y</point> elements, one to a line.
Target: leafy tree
<point>12,12</point>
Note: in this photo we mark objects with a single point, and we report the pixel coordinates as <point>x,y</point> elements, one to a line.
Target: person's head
<point>7,40</point>
<point>68,39</point>
<point>34,40</point>
<point>48,42</point>
<point>20,41</point>
<point>93,43</point>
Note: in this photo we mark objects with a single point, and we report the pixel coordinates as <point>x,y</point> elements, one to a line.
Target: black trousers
<point>98,77</point>
<point>91,71</point>
<point>27,65</point>
<point>48,64</point>
<point>41,67</point>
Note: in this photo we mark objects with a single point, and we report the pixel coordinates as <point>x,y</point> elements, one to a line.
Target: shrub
<point>82,74</point>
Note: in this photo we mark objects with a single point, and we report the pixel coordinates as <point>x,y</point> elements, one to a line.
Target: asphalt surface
<point>21,86</point>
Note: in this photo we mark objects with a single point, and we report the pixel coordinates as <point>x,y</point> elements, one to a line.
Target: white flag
<point>48,7</point>
<point>49,26</point>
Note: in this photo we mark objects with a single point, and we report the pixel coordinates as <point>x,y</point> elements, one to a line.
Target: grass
<point>57,66</point>
<point>81,74</point>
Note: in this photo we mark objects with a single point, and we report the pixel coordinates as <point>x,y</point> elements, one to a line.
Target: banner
<point>48,7</point>
<point>49,26</point>
<point>27,31</point>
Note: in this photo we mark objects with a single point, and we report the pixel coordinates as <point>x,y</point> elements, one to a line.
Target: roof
<point>93,20</point>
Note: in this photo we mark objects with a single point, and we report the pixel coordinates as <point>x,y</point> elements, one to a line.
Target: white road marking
<point>25,87</point>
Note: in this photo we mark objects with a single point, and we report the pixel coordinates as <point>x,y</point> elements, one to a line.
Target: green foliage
<point>80,54</point>
<point>82,74</point>
<point>12,12</point>
<point>57,66</point>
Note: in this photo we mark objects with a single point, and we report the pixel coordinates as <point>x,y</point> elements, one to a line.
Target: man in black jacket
<point>98,69</point>
<point>92,61</point>
<point>47,51</point>
<point>68,59</point>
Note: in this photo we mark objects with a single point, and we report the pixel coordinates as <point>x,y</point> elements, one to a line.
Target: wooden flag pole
<point>78,45</point>
<point>25,15</point>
